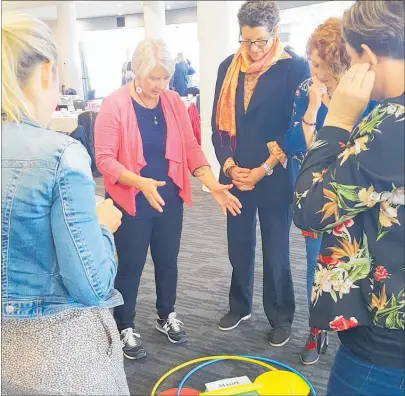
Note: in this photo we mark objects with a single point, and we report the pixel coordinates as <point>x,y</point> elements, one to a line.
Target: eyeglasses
<point>257,43</point>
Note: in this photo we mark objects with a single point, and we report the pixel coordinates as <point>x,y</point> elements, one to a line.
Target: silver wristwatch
<point>267,169</point>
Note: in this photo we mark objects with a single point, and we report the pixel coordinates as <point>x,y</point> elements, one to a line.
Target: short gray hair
<point>150,53</point>
<point>378,24</point>
<point>254,13</point>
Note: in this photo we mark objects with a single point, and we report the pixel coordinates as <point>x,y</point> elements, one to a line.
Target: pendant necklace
<point>138,91</point>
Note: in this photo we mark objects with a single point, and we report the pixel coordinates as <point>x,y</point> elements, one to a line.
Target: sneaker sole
<point>163,331</point>
<point>308,363</point>
<point>247,317</point>
<point>140,356</point>
<point>281,344</point>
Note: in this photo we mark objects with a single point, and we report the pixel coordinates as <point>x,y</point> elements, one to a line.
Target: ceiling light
<point>168,7</point>
<point>120,13</point>
<point>119,5</point>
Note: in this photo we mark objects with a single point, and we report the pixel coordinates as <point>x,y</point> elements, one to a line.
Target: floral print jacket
<point>351,188</point>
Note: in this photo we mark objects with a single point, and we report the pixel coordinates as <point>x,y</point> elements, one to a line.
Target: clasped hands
<point>245,179</point>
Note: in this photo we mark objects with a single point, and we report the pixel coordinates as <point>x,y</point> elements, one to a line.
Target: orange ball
<point>183,392</point>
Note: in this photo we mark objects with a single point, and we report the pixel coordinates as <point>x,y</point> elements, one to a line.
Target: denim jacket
<point>55,255</point>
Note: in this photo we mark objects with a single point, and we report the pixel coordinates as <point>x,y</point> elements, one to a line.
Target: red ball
<point>183,392</point>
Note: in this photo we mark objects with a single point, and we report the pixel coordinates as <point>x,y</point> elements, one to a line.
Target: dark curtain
<point>85,75</point>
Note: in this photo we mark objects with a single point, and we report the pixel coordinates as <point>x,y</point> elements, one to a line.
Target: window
<point>297,24</point>
<point>183,37</point>
<point>106,51</point>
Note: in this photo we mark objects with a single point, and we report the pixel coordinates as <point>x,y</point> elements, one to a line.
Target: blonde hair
<point>150,53</point>
<point>26,42</point>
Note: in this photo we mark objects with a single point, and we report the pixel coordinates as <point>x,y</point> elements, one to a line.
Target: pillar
<point>218,35</point>
<point>154,19</point>
<point>70,71</point>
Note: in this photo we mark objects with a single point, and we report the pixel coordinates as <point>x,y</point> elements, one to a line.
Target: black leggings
<point>132,241</point>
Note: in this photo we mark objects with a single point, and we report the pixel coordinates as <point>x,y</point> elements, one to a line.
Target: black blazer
<point>266,119</point>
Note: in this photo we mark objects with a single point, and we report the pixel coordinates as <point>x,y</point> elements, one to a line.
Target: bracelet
<point>307,123</point>
<point>269,171</point>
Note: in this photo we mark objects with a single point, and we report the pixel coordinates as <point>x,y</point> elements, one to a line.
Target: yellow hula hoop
<point>204,359</point>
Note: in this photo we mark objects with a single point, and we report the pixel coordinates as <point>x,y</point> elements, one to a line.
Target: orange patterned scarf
<point>226,117</point>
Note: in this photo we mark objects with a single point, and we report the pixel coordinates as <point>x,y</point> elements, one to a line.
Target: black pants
<point>278,292</point>
<point>132,241</point>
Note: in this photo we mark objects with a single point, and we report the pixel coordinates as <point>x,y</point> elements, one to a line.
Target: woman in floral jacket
<point>326,51</point>
<point>351,188</point>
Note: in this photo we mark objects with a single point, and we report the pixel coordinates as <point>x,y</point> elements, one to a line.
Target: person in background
<point>255,88</point>
<point>129,74</point>
<point>58,268</point>
<point>145,149</point>
<point>123,72</point>
<point>190,73</point>
<point>329,60</point>
<point>180,76</point>
<point>351,188</point>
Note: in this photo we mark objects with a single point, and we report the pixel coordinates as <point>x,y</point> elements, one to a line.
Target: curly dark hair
<point>328,40</point>
<point>254,13</point>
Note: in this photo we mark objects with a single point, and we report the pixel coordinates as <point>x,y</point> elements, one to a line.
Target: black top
<point>154,151</point>
<point>351,188</point>
<point>382,347</point>
<point>266,119</point>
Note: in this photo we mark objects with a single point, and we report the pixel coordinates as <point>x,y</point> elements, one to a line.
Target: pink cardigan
<point>118,145</point>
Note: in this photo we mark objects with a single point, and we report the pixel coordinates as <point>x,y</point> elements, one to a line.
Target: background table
<point>63,122</point>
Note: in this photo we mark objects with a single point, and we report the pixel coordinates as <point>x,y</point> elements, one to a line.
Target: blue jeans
<point>351,375</point>
<point>313,246</point>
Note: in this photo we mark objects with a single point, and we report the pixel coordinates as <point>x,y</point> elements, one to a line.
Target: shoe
<point>173,328</point>
<point>230,321</point>
<point>279,336</point>
<point>317,343</point>
<point>132,345</point>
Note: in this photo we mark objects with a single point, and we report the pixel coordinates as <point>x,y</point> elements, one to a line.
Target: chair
<point>87,120</point>
<point>70,91</point>
<point>192,91</point>
<point>79,104</point>
<point>198,104</point>
<point>195,121</point>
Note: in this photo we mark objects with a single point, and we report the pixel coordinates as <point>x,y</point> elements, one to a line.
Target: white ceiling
<point>46,10</point>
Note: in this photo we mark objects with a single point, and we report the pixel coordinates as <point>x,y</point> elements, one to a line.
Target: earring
<point>138,90</point>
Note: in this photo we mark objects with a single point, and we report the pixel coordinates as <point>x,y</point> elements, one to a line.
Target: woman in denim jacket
<point>58,264</point>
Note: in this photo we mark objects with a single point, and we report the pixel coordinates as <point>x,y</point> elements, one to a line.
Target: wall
<point>173,17</point>
<point>285,4</point>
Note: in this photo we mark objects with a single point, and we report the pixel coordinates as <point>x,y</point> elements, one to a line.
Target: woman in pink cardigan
<point>145,149</point>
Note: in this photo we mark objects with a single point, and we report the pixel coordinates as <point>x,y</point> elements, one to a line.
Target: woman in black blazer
<point>252,108</point>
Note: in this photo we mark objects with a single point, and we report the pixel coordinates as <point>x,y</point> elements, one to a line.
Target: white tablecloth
<point>63,122</point>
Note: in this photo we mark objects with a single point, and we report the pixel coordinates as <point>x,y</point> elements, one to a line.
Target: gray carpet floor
<point>204,276</point>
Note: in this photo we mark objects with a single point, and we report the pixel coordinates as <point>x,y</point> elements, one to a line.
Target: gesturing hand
<point>149,188</point>
<point>108,215</point>
<point>226,200</point>
<point>351,97</point>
